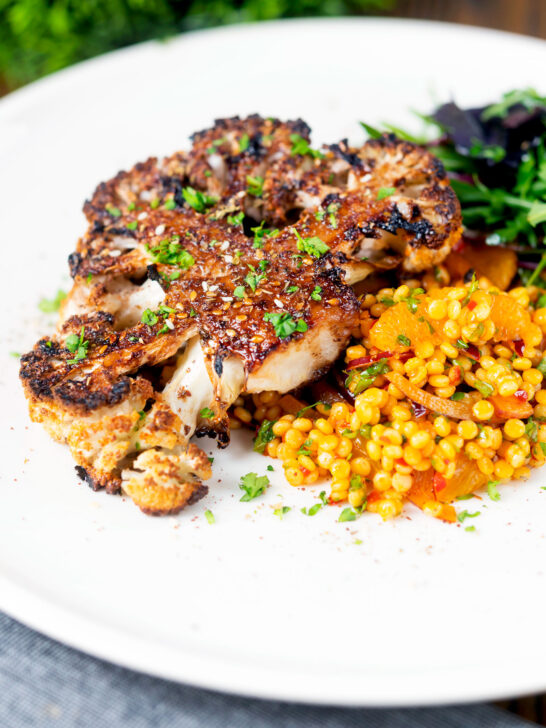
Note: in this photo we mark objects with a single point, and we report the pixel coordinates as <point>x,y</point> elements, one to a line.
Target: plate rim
<point>94,637</point>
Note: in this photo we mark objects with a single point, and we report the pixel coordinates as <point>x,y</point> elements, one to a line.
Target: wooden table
<point>518,16</point>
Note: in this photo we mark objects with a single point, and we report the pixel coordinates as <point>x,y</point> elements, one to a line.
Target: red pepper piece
<point>364,360</point>
<point>438,482</point>
<point>454,375</point>
<point>519,346</point>
<point>473,352</point>
<point>471,305</point>
<point>522,395</point>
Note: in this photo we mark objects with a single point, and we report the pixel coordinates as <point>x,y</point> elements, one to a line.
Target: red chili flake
<point>363,360</point>
<point>522,395</point>
<point>471,305</point>
<point>454,375</point>
<point>438,482</point>
<point>519,346</point>
<point>406,355</point>
<point>305,471</point>
<point>401,461</point>
<point>473,352</point>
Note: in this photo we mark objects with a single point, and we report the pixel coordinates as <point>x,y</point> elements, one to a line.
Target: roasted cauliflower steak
<point>223,270</point>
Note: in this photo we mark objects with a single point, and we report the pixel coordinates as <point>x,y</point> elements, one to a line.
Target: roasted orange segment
<point>398,324</point>
<point>507,408</point>
<point>429,486</point>
<point>497,264</point>
<point>511,320</point>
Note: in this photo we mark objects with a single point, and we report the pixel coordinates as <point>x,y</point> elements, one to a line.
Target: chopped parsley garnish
<point>243,143</point>
<point>254,279</point>
<point>209,515</point>
<point>50,305</point>
<point>460,344</point>
<point>215,144</point>
<point>253,485</point>
<point>358,381</point>
<point>403,340</point>
<point>170,252</point>
<point>206,413</point>
<point>484,388</point>
<point>281,511</point>
<point>292,289</point>
<point>260,233</point>
<point>15,354</point>
<point>312,246</point>
<point>132,225</point>
<point>463,515</point>
<point>315,295</point>
<point>412,302</point>
<point>270,468</point>
<point>457,396</point>
<point>149,317</point>
<point>347,514</point>
<point>77,345</point>
<point>383,192</point>
<point>531,429</point>
<point>311,511</point>
<point>239,292</point>
<point>198,200</point>
<point>113,211</point>
<point>264,435</point>
<point>236,219</point>
<point>154,204</point>
<point>255,185</point>
<point>323,497</point>
<point>89,278</point>
<point>301,146</point>
<point>169,204</point>
<point>541,366</point>
<point>284,324</point>
<point>492,490</point>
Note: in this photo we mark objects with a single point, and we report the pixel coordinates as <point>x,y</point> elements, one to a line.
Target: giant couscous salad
<point>441,392</point>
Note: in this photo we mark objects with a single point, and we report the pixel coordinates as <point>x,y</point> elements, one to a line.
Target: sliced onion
<point>446,407</point>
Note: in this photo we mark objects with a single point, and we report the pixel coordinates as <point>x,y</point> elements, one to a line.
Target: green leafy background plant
<point>38,37</point>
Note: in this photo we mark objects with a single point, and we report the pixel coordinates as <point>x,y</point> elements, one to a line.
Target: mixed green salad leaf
<point>495,156</point>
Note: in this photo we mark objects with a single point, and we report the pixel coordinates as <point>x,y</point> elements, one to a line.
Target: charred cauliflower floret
<point>223,270</point>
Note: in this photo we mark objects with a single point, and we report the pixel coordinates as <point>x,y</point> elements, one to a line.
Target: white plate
<point>420,612</point>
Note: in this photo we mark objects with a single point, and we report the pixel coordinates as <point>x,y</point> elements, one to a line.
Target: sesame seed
<point>205,286</point>
<point>228,258</point>
<point>278,303</point>
<point>213,287</point>
<point>160,229</point>
<point>115,253</point>
<point>231,332</point>
<point>169,324</point>
<point>227,299</point>
<point>257,339</point>
<point>193,295</point>
<point>241,317</point>
<point>225,245</point>
<point>333,301</point>
<point>142,216</point>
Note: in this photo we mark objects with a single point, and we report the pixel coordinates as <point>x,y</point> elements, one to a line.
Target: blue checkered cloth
<point>44,684</point>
